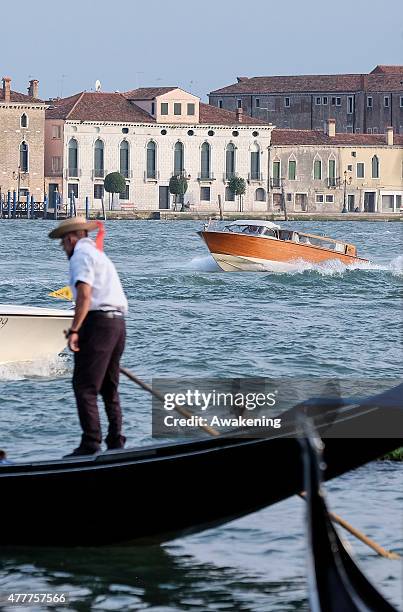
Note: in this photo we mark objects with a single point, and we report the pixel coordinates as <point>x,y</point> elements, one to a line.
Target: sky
<point>199,45</point>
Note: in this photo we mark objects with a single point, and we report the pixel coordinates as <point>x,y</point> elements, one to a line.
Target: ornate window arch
<point>179,155</point>
<point>375,166</point>
<point>317,168</point>
<point>73,157</point>
<point>99,167</point>
<point>124,158</point>
<point>292,167</point>
<point>230,161</point>
<point>205,160</point>
<point>151,171</point>
<point>255,162</point>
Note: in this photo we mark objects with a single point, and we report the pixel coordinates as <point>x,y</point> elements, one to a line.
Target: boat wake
<point>52,367</point>
<point>335,267</point>
<point>203,264</point>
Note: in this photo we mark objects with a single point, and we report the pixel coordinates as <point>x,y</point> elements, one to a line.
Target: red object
<point>99,240</point>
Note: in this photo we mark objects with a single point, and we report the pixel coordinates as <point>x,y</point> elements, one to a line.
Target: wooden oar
<point>359,534</point>
<point>183,411</point>
<point>213,432</point>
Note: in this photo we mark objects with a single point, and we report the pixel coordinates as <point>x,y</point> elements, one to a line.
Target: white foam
<point>203,264</point>
<point>52,367</point>
<point>396,266</point>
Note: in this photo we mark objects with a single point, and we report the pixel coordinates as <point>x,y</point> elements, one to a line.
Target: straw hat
<point>72,225</point>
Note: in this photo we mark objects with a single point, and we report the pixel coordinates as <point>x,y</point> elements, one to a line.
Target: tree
<point>238,187</point>
<point>178,186</point>
<point>114,183</point>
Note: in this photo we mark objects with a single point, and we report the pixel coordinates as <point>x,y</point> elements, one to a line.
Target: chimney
<point>389,136</point>
<point>239,115</point>
<point>33,88</point>
<point>6,89</point>
<point>330,128</point>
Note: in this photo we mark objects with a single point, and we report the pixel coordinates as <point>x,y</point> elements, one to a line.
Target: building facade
<point>150,135</point>
<point>22,130</point>
<point>326,172</point>
<point>360,103</point>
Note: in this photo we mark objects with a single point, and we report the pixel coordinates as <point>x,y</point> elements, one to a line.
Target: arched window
<point>332,173</point>
<point>178,158</point>
<point>292,169</point>
<point>230,161</point>
<point>24,121</point>
<point>205,161</point>
<point>317,169</point>
<point>255,163</point>
<point>99,158</point>
<point>276,179</point>
<point>73,157</point>
<point>151,160</point>
<point>375,167</point>
<point>124,158</point>
<point>260,195</point>
<point>24,157</point>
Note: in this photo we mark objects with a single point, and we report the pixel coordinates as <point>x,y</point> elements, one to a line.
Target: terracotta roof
<point>213,115</point>
<point>147,93</point>
<point>15,96</point>
<point>377,81</point>
<point>284,137</point>
<point>387,70</point>
<point>97,106</point>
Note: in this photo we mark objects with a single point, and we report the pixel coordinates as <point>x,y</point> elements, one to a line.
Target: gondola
<point>335,582</point>
<point>163,491</point>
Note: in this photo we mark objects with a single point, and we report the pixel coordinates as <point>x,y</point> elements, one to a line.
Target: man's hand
<point>73,342</point>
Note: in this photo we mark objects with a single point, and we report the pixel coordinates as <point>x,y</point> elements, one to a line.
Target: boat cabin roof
<point>256,222</point>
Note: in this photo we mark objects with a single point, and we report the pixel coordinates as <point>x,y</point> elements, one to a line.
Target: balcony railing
<point>275,182</point>
<point>72,172</point>
<point>98,173</point>
<point>206,176</point>
<point>255,176</point>
<point>151,176</point>
<point>227,176</point>
<point>332,181</point>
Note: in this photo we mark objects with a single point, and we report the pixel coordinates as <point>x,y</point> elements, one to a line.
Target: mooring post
<point>32,207</point>
<point>56,198</point>
<point>14,204</point>
<point>8,204</point>
<point>103,209</point>
<point>74,206</point>
<point>27,205</point>
<point>87,207</point>
<point>71,204</point>
<point>45,206</point>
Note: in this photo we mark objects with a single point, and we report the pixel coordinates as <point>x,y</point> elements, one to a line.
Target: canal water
<point>189,319</point>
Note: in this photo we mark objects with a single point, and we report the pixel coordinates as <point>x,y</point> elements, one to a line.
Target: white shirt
<point>91,266</point>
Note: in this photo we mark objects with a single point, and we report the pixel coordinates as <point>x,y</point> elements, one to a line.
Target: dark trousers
<point>96,371</point>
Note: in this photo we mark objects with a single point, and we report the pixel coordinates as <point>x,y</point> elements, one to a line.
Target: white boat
<point>29,333</point>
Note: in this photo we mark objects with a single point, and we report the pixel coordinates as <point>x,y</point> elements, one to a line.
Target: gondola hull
<point>162,492</point>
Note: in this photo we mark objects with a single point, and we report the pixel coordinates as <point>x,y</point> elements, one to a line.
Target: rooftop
<point>286,137</point>
<point>116,107</point>
<point>382,78</point>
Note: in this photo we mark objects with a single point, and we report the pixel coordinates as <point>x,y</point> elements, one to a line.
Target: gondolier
<point>97,333</point>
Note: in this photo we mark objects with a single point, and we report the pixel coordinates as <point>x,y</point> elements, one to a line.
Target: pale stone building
<point>325,171</point>
<point>22,127</point>
<point>149,135</point>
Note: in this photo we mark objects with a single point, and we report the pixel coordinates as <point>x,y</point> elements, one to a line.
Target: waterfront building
<point>325,171</point>
<point>360,103</point>
<point>149,135</point>
<point>22,127</point>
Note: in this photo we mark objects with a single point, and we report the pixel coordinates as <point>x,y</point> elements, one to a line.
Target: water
<point>187,318</point>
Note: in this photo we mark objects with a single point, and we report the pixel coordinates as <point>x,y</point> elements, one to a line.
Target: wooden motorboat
<point>28,333</point>
<point>169,490</point>
<point>255,245</point>
<point>335,582</point>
